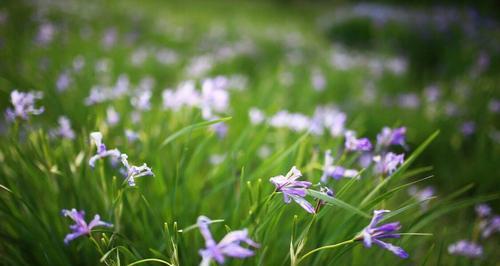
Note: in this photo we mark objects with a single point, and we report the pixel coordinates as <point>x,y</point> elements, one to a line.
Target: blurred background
<point>425,65</point>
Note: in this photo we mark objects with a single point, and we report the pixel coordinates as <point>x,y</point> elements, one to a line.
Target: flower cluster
<point>23,105</point>
<point>130,172</point>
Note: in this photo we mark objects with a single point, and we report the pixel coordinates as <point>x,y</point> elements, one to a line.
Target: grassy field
<point>158,114</point>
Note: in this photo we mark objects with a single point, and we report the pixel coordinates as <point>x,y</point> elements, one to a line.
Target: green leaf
<point>190,128</point>
<point>337,202</point>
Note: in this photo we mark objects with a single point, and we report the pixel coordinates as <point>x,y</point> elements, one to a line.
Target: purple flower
<point>494,106</point>
<point>220,130</point>
<point>354,144</point>
<point>468,128</point>
<point>387,163</point>
<point>229,246</point>
<point>390,136</point>
<point>112,116</point>
<point>336,172</point>
<point>293,189</point>
<point>131,135</point>
<point>133,172</point>
<point>490,226</point>
<point>374,233</point>
<point>256,116</point>
<point>24,105</point>
<point>483,210</point>
<point>466,248</point>
<point>81,227</point>
<point>63,81</point>
<point>64,130</point>
<point>102,152</point>
<point>422,195</point>
<point>141,101</point>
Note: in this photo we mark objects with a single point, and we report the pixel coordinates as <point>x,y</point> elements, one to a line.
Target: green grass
<point>154,222</point>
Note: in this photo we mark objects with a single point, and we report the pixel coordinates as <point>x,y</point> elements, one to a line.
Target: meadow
<point>248,133</point>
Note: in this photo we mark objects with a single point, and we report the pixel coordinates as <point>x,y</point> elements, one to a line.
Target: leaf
<point>190,128</point>
<point>337,202</point>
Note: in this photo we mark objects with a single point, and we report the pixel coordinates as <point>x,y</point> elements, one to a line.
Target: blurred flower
<point>24,105</point>
<point>63,81</point>
<point>133,172</point>
<point>102,152</point>
<point>81,227</point>
<point>390,136</point>
<point>336,172</point>
<point>220,129</point>
<point>293,189</point>
<point>109,37</point>
<point>256,116</point>
<point>387,163</point>
<point>216,159</point>
<point>422,195</point>
<point>64,130</point>
<point>466,248</point>
<point>141,101</point>
<point>46,33</point>
<point>490,226</point>
<point>408,100</point>
<point>494,106</point>
<point>131,135</point>
<point>229,246</point>
<point>483,210</point>
<point>373,234</point>
<point>354,144</point>
<point>468,128</point>
<point>112,116</point>
<point>318,80</point>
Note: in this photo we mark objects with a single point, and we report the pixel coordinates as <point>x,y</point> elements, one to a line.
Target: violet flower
<point>333,171</point>
<point>293,189</point>
<point>466,248</point>
<point>390,136</point>
<point>64,130</point>
<point>374,233</point>
<point>387,163</point>
<point>490,226</point>
<point>483,210</point>
<point>102,152</point>
<point>24,105</point>
<point>133,172</point>
<point>229,246</point>
<point>354,144</point>
<point>81,227</point>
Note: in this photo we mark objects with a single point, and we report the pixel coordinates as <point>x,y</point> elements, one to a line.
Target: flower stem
<point>325,247</point>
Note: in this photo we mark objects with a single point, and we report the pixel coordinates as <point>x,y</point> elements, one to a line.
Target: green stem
<point>325,247</point>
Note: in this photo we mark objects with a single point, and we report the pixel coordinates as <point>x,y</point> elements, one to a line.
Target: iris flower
<point>293,189</point>
<point>229,246</point>
<point>81,227</point>
<point>102,152</point>
<point>334,171</point>
<point>133,172</point>
<point>373,233</point>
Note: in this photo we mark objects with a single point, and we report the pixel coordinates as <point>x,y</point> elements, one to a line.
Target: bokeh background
<point>427,66</point>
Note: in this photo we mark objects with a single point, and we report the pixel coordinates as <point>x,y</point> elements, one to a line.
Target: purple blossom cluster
<point>23,105</point>
<point>130,172</point>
